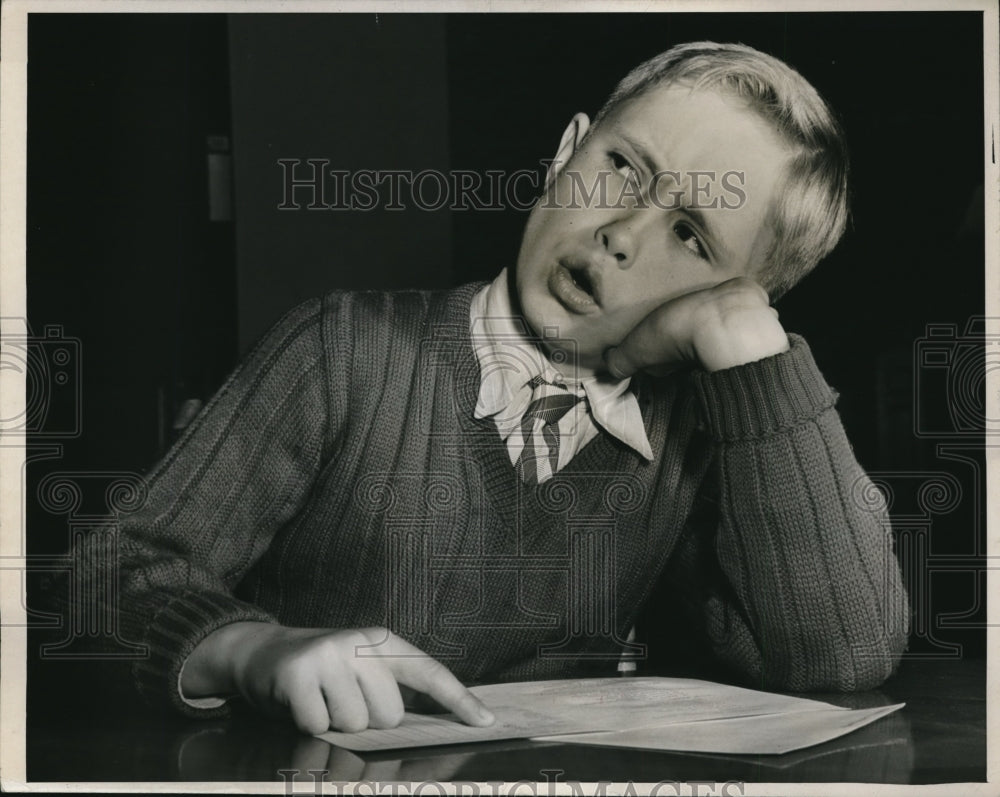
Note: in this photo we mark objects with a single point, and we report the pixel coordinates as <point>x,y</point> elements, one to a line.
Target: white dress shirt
<point>510,356</point>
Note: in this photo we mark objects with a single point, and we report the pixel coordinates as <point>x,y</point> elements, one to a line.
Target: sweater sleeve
<point>807,592</point>
<point>240,472</point>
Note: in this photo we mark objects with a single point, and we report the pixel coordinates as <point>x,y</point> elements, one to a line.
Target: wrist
<point>214,665</point>
<point>743,352</point>
<point>763,397</point>
<point>721,346</point>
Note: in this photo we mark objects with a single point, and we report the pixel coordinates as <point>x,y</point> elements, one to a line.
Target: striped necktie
<point>539,430</point>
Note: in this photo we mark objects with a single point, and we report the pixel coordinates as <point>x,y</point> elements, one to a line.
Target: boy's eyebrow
<point>642,152</point>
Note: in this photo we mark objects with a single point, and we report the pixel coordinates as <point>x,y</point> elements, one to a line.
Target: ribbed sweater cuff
<point>176,629</point>
<point>763,397</point>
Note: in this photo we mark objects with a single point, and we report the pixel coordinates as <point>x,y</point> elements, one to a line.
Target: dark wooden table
<point>939,737</point>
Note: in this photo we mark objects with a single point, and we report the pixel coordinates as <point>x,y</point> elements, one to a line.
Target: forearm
<point>810,563</point>
<point>816,573</point>
<point>241,472</point>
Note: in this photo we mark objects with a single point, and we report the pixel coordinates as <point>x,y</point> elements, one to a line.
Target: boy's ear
<point>570,142</point>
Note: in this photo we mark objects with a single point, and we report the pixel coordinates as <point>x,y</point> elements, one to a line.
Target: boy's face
<point>593,268</point>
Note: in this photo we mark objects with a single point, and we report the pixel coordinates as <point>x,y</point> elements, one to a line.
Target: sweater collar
<point>508,359</point>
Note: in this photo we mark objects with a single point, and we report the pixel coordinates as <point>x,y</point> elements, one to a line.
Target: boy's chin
<point>573,362</point>
<point>554,328</point>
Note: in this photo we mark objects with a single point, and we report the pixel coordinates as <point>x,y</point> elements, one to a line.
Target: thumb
<point>659,343</point>
<point>649,346</point>
<point>619,362</point>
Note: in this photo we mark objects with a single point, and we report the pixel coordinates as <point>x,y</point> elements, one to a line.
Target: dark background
<point>158,300</point>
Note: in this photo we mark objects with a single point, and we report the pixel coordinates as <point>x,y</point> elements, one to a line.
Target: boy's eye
<point>622,166</point>
<point>690,239</point>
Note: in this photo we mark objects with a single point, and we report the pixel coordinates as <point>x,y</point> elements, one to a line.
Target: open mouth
<point>574,289</point>
<point>582,281</point>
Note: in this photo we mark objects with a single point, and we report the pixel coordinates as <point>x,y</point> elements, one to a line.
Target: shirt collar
<point>509,358</point>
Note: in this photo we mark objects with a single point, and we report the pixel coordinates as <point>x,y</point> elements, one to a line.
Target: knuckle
<point>276,693</point>
<point>350,720</point>
<point>386,716</point>
<point>707,313</point>
<point>394,716</point>
<point>344,645</point>
<point>746,296</point>
<point>307,716</point>
<point>290,671</point>
<point>313,725</point>
<point>739,288</point>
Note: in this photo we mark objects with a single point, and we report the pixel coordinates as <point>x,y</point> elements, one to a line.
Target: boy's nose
<point>620,237</point>
<point>611,248</point>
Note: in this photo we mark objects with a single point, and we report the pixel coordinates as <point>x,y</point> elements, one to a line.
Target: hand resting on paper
<point>344,679</point>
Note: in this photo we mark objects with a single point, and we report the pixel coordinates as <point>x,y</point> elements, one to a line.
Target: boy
<point>413,490</point>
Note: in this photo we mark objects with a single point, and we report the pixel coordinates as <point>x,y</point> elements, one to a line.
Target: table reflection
<point>252,749</point>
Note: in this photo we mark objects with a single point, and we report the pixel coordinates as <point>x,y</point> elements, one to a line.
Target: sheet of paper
<point>761,735</point>
<point>549,708</point>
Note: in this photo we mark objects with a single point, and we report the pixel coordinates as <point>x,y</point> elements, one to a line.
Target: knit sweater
<point>339,479</point>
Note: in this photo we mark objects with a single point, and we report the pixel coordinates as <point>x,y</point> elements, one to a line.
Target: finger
<point>619,362</point>
<point>412,667</point>
<point>435,680</point>
<point>345,703</point>
<point>309,710</point>
<point>381,694</point>
<point>742,285</point>
<point>650,343</point>
<point>655,341</point>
